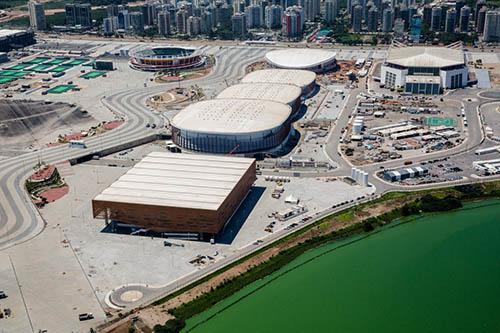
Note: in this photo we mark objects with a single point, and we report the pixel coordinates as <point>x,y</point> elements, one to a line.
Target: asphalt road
<point>19,218</point>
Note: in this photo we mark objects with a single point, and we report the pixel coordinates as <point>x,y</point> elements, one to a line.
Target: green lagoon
<point>438,273</point>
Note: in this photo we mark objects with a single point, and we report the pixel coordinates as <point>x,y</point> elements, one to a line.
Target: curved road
<point>19,218</point>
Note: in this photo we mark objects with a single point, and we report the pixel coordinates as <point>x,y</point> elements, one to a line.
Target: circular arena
<point>158,58</point>
<point>282,93</point>
<point>309,59</point>
<point>224,126</point>
<point>305,80</point>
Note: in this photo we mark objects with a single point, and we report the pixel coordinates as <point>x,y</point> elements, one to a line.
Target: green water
<point>439,273</point>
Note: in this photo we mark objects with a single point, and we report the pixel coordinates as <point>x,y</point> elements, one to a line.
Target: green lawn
<point>37,60</point>
<point>4,80</point>
<point>19,67</point>
<point>62,88</point>
<point>11,73</point>
<point>76,62</point>
<point>92,75</point>
<point>56,61</point>
<point>59,69</point>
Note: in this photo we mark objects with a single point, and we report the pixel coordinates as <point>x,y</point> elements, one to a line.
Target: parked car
<point>85,316</point>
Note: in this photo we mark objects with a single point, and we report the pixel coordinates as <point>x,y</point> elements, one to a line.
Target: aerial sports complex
<point>158,58</point>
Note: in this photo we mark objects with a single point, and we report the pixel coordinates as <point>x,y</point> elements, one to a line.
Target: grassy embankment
<point>356,221</point>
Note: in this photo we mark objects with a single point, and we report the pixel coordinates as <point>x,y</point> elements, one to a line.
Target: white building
<point>254,16</point>
<point>492,26</point>
<point>273,16</point>
<point>164,23</point>
<point>193,26</point>
<point>332,8</point>
<point>424,70</point>
<point>37,15</point>
<point>110,25</point>
<point>309,59</point>
<point>222,126</point>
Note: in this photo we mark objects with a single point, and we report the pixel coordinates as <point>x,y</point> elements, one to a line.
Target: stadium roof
<point>297,77</point>
<point>164,51</point>
<point>299,58</point>
<point>232,116</point>
<point>283,93</point>
<point>419,56</point>
<point>178,180</point>
<point>10,32</point>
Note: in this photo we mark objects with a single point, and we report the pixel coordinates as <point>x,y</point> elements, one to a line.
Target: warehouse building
<point>15,39</point>
<point>405,173</point>
<point>282,93</point>
<point>308,59</point>
<point>232,126</point>
<point>424,70</point>
<point>178,193</point>
<point>305,80</point>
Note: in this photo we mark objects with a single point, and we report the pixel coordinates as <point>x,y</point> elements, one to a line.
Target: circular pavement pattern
<point>131,296</point>
<point>492,94</point>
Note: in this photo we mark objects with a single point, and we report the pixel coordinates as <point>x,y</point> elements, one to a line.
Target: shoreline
<point>360,220</point>
<point>328,249</point>
<point>381,212</point>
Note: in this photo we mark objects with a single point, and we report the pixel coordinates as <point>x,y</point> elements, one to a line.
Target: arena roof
<point>297,77</point>
<point>232,116</point>
<point>164,51</point>
<point>10,32</point>
<point>419,56</point>
<point>178,180</point>
<point>283,93</point>
<point>299,58</point>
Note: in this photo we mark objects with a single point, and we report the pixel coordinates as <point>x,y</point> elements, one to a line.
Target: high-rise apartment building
<point>37,15</point>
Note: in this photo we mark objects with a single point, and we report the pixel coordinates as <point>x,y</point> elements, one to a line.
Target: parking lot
<point>111,259</point>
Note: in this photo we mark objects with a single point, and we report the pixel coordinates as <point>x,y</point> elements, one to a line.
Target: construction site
<point>383,128</point>
<point>24,123</point>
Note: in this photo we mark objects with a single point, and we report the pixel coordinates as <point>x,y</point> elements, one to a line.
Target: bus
<point>77,144</point>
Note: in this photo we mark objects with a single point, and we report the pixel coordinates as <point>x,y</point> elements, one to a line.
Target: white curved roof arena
<point>283,93</point>
<point>298,77</point>
<point>299,58</point>
<point>232,116</point>
<point>419,56</point>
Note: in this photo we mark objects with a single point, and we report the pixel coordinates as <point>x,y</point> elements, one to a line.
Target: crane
<point>231,152</point>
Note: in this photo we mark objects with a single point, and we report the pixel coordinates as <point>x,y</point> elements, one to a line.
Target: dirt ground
<point>23,123</point>
<point>494,70</point>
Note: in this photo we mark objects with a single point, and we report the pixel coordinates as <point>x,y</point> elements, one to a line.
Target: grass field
<point>5,79</point>
<point>62,88</point>
<point>92,75</point>
<point>11,3</point>
<point>56,61</point>
<point>11,73</point>
<point>37,60</point>
<point>76,62</point>
<point>59,69</point>
<point>40,68</point>
<point>19,66</point>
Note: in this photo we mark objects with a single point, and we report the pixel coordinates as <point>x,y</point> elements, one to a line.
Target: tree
<point>171,326</point>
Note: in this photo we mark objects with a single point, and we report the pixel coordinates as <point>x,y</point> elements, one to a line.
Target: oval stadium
<point>154,59</point>
<point>227,126</point>
<point>309,59</point>
<point>282,93</point>
<point>305,80</point>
